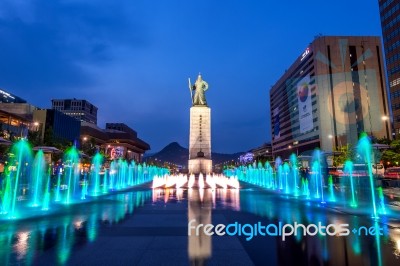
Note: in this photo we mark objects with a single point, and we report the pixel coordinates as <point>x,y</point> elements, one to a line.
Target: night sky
<point>132,59</point>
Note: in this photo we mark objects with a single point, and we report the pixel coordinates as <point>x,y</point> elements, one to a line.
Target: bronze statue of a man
<point>199,88</point>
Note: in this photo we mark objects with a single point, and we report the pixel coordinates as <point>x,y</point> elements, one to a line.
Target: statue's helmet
<point>199,77</point>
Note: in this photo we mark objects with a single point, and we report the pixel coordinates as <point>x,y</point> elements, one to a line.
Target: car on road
<point>362,170</point>
<point>392,173</point>
<point>358,170</point>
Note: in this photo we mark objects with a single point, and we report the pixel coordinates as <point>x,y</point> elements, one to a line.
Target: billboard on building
<point>304,104</point>
<point>277,127</point>
<point>246,158</point>
<point>116,152</point>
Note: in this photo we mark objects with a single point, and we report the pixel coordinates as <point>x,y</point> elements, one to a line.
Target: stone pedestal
<point>200,140</point>
<point>197,166</point>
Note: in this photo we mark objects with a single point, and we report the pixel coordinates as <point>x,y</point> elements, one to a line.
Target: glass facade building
<point>82,110</point>
<point>63,127</point>
<point>390,21</point>
<point>332,92</point>
<point>6,97</point>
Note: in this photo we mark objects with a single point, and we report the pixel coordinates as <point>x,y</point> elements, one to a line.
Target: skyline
<point>104,53</point>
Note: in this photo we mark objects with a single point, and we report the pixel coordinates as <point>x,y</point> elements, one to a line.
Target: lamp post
<point>39,134</point>
<point>385,120</point>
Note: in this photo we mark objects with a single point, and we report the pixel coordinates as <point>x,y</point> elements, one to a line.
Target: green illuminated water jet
<point>97,161</point>
<point>46,196</point>
<point>20,163</point>
<point>71,173</point>
<point>348,170</point>
<point>365,151</point>
<point>331,190</point>
<point>39,171</point>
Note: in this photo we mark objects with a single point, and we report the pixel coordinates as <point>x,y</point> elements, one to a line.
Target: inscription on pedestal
<point>200,140</point>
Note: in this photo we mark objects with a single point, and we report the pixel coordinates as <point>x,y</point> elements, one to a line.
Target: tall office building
<point>79,109</point>
<point>390,21</point>
<point>331,93</point>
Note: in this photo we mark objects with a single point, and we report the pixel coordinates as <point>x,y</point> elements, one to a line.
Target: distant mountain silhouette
<point>177,154</point>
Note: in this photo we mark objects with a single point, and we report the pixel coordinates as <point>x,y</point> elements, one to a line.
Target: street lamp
<point>385,118</point>
<point>36,126</point>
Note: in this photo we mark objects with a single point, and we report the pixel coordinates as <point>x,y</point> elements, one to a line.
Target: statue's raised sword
<point>190,88</point>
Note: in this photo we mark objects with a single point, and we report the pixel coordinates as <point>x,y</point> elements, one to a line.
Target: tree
<point>48,139</point>
<point>395,145</point>
<point>4,151</point>
<point>346,153</point>
<point>392,156</point>
<point>89,147</point>
<point>382,141</point>
<point>34,137</point>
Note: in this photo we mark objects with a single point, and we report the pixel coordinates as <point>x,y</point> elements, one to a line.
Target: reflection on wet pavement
<point>150,227</point>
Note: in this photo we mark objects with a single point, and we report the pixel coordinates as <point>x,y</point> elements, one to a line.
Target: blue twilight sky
<point>132,58</point>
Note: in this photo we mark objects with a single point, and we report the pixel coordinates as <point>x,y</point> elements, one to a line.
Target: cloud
<point>44,43</point>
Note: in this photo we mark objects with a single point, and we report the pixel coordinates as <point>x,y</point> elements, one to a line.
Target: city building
<point>24,110</point>
<point>330,94</point>
<point>263,152</point>
<point>93,133</point>
<point>390,21</point>
<point>56,125</point>
<point>125,143</point>
<point>117,140</point>
<point>16,116</point>
<point>6,97</point>
<point>13,126</point>
<point>121,127</point>
<point>80,109</point>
